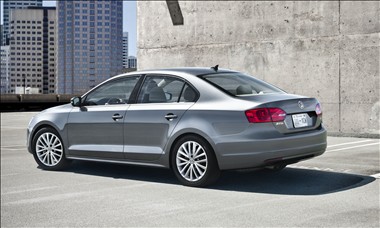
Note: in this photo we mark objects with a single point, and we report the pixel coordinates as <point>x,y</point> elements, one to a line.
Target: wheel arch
<point>39,127</point>
<point>52,148</point>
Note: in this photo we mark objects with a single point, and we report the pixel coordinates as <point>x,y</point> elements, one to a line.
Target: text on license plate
<point>300,120</point>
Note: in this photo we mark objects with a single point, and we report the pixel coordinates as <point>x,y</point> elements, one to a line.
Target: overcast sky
<point>129,21</point>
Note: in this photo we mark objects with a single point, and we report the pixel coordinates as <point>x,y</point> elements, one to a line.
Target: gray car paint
<point>91,131</point>
<point>146,130</point>
<point>145,137</point>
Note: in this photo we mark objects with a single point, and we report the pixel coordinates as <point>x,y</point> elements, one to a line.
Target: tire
<point>48,150</point>
<point>193,162</point>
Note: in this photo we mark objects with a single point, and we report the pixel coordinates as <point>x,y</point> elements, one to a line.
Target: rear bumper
<point>240,154</point>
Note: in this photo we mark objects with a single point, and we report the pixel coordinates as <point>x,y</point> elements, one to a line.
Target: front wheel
<point>194,163</point>
<point>48,150</point>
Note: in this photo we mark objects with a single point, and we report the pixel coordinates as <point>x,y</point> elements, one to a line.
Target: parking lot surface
<point>338,189</point>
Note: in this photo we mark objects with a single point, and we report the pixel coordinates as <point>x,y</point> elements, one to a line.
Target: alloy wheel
<point>191,161</point>
<point>49,149</point>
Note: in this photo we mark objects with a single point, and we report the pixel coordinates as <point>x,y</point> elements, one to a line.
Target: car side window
<point>113,92</point>
<point>160,89</point>
<point>188,94</point>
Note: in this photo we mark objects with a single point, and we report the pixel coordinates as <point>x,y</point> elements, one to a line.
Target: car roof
<point>197,71</point>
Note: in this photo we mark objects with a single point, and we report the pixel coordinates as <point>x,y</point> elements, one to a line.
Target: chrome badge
<point>301,105</point>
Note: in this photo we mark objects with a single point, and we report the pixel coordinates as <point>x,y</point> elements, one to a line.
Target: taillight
<point>277,114</point>
<point>262,115</point>
<point>318,109</point>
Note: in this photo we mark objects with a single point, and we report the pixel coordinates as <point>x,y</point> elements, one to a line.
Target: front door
<point>95,130</point>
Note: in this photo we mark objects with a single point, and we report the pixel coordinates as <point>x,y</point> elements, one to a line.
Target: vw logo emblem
<point>301,105</point>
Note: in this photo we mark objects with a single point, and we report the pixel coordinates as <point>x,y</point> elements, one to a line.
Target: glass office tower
<point>125,49</point>
<point>90,47</point>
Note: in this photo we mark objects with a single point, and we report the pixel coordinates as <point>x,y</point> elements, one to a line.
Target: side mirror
<point>76,101</point>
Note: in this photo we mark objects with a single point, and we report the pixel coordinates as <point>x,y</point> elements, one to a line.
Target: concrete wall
<point>328,50</point>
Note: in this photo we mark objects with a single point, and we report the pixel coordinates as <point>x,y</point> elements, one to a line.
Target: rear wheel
<point>48,150</point>
<point>194,163</point>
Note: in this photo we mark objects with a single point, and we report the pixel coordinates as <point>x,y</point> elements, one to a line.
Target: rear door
<point>96,129</point>
<point>148,124</point>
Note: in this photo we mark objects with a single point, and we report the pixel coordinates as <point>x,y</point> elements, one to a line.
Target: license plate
<point>300,120</point>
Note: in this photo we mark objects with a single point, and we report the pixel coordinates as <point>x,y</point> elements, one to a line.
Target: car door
<point>95,130</point>
<point>150,121</point>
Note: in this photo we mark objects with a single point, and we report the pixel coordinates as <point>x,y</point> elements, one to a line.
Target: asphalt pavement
<point>338,189</point>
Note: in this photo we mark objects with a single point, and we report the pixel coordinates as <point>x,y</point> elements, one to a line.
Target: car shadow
<point>290,181</point>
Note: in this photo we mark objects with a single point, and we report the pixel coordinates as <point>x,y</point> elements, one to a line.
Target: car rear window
<point>238,84</point>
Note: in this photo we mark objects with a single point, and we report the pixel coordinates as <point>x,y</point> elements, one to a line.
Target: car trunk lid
<point>300,111</point>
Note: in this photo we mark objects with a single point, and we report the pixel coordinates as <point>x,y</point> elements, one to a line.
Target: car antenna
<point>215,68</point>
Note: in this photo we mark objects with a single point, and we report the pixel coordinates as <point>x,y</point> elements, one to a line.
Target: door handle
<point>117,117</point>
<point>170,116</point>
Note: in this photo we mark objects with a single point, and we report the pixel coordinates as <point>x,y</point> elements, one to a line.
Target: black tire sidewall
<point>212,172</point>
<point>62,163</point>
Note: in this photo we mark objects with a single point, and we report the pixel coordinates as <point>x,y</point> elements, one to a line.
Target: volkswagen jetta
<point>195,121</point>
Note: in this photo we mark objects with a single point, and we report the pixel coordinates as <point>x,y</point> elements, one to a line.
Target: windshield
<point>238,84</point>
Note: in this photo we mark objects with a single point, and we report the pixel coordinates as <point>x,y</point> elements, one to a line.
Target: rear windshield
<point>238,84</point>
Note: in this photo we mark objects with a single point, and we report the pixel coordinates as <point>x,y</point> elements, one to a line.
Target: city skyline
<point>129,22</point>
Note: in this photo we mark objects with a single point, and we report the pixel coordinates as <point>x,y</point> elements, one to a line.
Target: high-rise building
<point>1,34</point>
<point>125,49</point>
<point>132,62</point>
<point>90,47</point>
<point>32,42</point>
<point>4,88</point>
<point>8,5</point>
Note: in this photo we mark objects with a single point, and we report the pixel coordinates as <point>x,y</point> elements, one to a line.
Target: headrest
<point>243,89</point>
<point>157,95</point>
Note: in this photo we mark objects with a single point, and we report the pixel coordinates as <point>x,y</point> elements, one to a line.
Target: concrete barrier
<point>22,102</point>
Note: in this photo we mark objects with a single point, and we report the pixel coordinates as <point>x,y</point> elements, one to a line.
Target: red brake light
<point>318,109</point>
<point>263,115</point>
<point>277,114</point>
<point>259,115</point>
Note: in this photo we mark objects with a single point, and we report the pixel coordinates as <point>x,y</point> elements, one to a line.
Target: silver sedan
<point>195,121</point>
